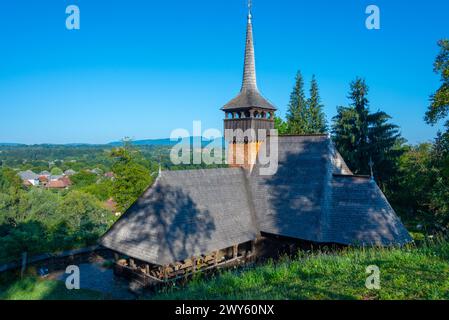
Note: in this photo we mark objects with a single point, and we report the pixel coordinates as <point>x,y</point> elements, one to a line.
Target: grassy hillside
<point>408,273</point>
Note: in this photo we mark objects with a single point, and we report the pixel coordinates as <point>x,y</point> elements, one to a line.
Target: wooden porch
<point>147,274</point>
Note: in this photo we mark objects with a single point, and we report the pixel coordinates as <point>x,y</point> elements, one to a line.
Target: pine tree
<point>385,146</point>
<point>345,132</point>
<point>317,118</point>
<point>360,136</point>
<point>296,114</point>
<point>360,103</point>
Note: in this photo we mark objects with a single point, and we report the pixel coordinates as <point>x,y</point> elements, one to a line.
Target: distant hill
<point>147,142</point>
<point>6,144</point>
<point>170,143</point>
<point>49,145</point>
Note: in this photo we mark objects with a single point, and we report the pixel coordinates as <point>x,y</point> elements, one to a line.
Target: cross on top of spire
<point>250,6</point>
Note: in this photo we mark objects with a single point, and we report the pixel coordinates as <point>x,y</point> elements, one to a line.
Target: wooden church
<point>195,220</point>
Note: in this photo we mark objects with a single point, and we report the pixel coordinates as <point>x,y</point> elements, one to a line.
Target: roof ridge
<point>305,135</point>
<point>252,208</point>
<point>200,170</point>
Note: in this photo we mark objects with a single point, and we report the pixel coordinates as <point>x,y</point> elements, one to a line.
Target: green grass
<point>407,273</point>
<point>32,288</point>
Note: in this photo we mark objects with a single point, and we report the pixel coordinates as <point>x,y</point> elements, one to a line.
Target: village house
<point>201,219</point>
<point>45,179</point>
<point>59,182</point>
<point>29,178</point>
<point>109,175</point>
<point>69,172</point>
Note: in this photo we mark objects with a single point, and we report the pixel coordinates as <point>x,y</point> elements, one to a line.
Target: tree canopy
<point>132,177</point>
<point>439,107</point>
<point>55,171</point>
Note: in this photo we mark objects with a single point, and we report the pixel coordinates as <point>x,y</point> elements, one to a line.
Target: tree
<point>441,151</point>
<point>304,116</point>
<point>280,125</point>
<point>102,189</point>
<point>82,216</point>
<point>361,136</point>
<point>83,179</point>
<point>439,108</point>
<point>350,128</point>
<point>131,177</point>
<point>345,133</point>
<point>439,191</point>
<point>10,185</point>
<point>385,146</point>
<point>296,114</point>
<point>317,118</point>
<point>9,180</point>
<point>423,189</point>
<point>56,171</point>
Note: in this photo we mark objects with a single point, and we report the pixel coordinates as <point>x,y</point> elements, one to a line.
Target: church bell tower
<point>248,113</point>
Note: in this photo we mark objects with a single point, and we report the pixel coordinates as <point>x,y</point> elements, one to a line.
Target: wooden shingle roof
<point>247,100</point>
<point>185,214</point>
<point>313,196</point>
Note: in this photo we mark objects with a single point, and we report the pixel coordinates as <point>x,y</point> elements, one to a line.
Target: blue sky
<point>141,68</point>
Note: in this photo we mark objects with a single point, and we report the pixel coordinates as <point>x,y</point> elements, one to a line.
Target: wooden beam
<point>216,257</point>
<point>235,250</point>
<point>194,264</point>
<point>147,268</point>
<point>253,247</point>
<point>132,264</point>
<point>165,272</point>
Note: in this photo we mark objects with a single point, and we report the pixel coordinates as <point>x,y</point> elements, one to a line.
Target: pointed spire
<point>249,73</point>
<point>249,96</point>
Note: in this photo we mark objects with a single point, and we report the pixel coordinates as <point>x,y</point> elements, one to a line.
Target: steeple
<point>249,99</point>
<point>249,70</point>
<point>249,117</point>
